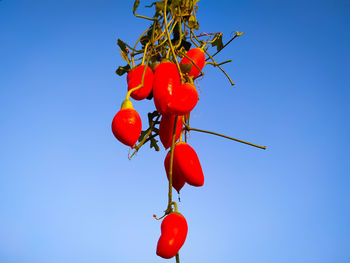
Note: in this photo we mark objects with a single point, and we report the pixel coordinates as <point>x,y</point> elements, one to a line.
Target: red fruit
<point>134,79</point>
<point>198,57</point>
<point>166,128</point>
<point>187,163</point>
<point>174,231</point>
<point>177,180</point>
<point>183,100</point>
<point>166,80</point>
<point>126,124</point>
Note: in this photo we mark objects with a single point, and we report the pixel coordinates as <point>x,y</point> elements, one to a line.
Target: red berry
<point>198,57</point>
<point>174,231</point>
<point>166,128</point>
<point>134,79</point>
<point>177,180</point>
<point>126,126</point>
<point>184,99</point>
<point>166,80</point>
<point>187,163</point>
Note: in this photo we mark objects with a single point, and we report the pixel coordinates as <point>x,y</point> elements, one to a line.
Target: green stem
<point>170,198</point>
<point>177,258</point>
<point>217,65</point>
<point>168,35</point>
<point>194,35</point>
<point>143,75</point>
<point>194,63</point>
<point>166,38</point>
<point>145,17</point>
<point>137,41</point>
<point>175,206</point>
<point>180,33</point>
<point>224,136</point>
<point>145,139</point>
<point>212,41</point>
<point>224,45</point>
<point>144,54</point>
<point>194,42</point>
<point>163,32</point>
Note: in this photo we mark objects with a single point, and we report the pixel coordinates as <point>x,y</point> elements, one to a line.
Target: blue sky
<point>68,193</point>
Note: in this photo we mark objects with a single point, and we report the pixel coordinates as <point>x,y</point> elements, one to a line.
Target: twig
<point>224,136</point>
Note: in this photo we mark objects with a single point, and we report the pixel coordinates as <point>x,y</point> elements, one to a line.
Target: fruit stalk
<point>169,39</point>
<point>224,136</point>
<point>170,197</point>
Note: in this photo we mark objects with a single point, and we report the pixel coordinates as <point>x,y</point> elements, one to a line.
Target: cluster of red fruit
<point>173,96</point>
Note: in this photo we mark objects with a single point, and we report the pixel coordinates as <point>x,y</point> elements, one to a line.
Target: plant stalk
<point>170,198</point>
<point>224,136</point>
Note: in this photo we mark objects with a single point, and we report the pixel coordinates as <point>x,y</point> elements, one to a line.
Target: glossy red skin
<point>126,126</point>
<point>174,231</point>
<point>166,80</point>
<point>184,99</point>
<point>198,57</point>
<point>166,128</point>
<point>177,180</point>
<point>134,79</point>
<point>187,163</point>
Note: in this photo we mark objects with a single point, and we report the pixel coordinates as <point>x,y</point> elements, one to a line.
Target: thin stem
<point>186,119</point>
<point>217,65</point>
<point>177,258</point>
<point>170,198</point>
<point>133,49</point>
<point>145,17</point>
<point>170,44</point>
<point>236,35</point>
<point>175,206</point>
<point>224,136</point>
<point>144,54</point>
<point>145,139</point>
<point>194,63</point>
<point>171,30</point>
<point>194,35</point>
<point>143,77</point>
<point>212,41</point>
<point>203,34</point>
<point>168,53</point>
<point>137,41</point>
<point>181,35</point>
<point>181,134</point>
<point>194,42</point>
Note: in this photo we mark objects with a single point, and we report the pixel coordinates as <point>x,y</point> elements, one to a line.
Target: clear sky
<point>69,194</point>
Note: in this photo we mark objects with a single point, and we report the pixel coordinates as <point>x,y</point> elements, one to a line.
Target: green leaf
<point>154,145</point>
<point>136,5</point>
<point>218,43</point>
<point>122,45</point>
<point>122,70</point>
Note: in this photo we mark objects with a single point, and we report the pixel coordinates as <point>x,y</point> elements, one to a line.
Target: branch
<point>224,136</point>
